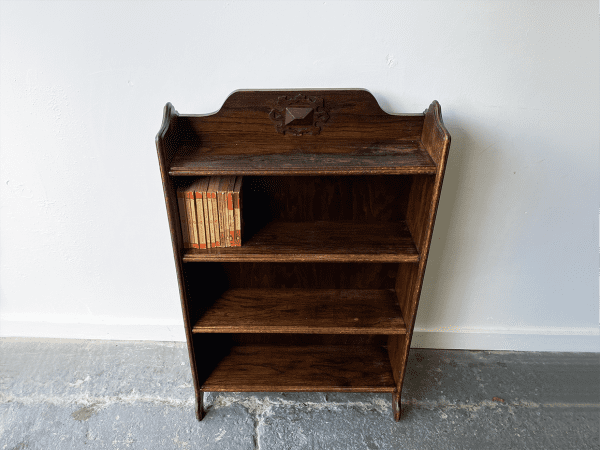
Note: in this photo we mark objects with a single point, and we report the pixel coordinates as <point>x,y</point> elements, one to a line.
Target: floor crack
<point>257,420</point>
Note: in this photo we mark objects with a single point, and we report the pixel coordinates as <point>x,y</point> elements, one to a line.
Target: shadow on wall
<point>454,253</point>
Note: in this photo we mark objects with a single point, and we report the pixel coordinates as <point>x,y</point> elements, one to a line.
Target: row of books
<point>210,214</point>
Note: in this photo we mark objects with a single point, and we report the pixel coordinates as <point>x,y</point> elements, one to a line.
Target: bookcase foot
<point>200,413</point>
<point>396,405</point>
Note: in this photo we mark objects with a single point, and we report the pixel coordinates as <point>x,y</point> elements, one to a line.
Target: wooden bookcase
<point>339,203</point>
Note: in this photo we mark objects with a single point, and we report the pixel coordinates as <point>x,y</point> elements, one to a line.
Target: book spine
<point>200,220</point>
<point>183,218</point>
<point>211,220</point>
<point>230,219</point>
<point>222,218</point>
<point>215,221</point>
<point>207,216</point>
<point>192,221</point>
<point>237,214</point>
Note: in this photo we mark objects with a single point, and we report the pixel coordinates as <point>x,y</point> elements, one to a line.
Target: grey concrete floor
<point>57,394</point>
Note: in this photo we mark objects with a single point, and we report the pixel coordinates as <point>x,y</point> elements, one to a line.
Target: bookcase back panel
<point>205,283</point>
<point>287,118</point>
<point>310,275</point>
<point>366,199</point>
<point>285,339</point>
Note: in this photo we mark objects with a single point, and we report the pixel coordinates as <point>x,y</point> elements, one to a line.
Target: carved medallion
<point>299,115</point>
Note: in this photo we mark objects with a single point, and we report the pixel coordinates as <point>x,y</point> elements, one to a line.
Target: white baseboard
<point>66,327</point>
<point>547,339</point>
<point>514,338</point>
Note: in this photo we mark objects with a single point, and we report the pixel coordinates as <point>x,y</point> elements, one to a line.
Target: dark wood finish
<point>339,206</point>
<point>313,311</point>
<point>420,218</point>
<point>354,115</point>
<point>319,241</point>
<point>419,207</point>
<point>299,115</point>
<point>166,143</point>
<point>435,137</point>
<point>296,339</point>
<point>360,199</point>
<point>352,158</point>
<point>319,275</point>
<point>396,406</point>
<point>200,411</point>
<point>302,368</point>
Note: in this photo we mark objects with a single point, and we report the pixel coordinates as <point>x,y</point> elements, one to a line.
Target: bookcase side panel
<point>435,137</point>
<point>419,206</point>
<point>421,213</point>
<point>166,145</point>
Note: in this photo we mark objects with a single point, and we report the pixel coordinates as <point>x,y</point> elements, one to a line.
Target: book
<point>210,240</point>
<point>237,212</point>
<point>222,211</point>
<point>208,211</point>
<point>190,206</point>
<point>230,216</point>
<point>183,217</point>
<point>199,190</point>
<point>213,211</point>
<point>203,189</point>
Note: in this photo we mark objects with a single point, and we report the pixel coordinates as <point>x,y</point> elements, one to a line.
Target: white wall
<point>85,248</point>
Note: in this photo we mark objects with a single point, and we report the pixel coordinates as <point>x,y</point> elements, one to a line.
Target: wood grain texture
<point>166,142</point>
<point>300,158</point>
<point>297,339</point>
<point>319,241</point>
<point>332,214</point>
<point>396,406</point>
<point>406,282</point>
<point>320,275</point>
<point>312,311</point>
<point>418,213</point>
<point>395,346</point>
<point>435,137</point>
<point>200,411</point>
<point>303,368</point>
<point>364,199</point>
<point>420,218</point>
<point>353,115</point>
<point>167,137</point>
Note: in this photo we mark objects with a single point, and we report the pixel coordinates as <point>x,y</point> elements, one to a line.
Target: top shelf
<point>391,157</point>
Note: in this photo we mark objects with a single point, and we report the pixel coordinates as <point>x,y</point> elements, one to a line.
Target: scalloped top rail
<point>299,132</point>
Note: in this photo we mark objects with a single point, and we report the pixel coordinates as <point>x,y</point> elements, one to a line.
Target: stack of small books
<point>210,214</point>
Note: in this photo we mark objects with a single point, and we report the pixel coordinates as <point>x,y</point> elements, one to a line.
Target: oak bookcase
<point>339,203</point>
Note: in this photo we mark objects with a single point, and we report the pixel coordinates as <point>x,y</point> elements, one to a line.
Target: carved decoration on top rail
<point>299,115</point>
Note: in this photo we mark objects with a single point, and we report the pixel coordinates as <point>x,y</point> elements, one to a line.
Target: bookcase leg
<point>200,413</point>
<point>396,405</point>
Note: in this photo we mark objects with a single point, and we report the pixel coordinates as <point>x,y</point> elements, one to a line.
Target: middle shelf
<point>331,241</point>
<point>310,311</point>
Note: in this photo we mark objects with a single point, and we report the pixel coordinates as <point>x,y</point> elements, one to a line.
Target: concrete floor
<point>57,394</point>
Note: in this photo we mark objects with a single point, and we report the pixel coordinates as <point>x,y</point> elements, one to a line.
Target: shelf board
<point>320,241</point>
<point>273,368</point>
<point>307,158</point>
<point>309,311</point>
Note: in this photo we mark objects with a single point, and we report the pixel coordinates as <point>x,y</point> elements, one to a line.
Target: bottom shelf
<point>273,368</point>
